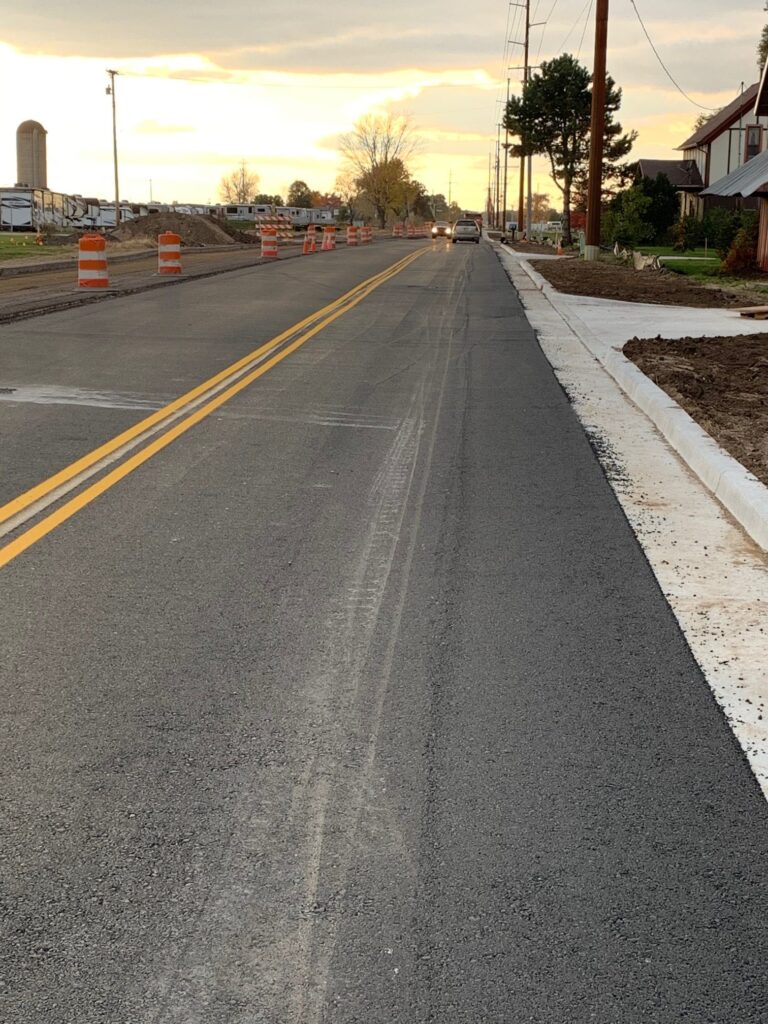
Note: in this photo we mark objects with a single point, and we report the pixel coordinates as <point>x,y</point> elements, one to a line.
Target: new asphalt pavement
<point>358,702</point>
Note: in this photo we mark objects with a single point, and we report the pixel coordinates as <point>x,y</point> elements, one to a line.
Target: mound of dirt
<point>722,383</point>
<point>613,281</point>
<point>194,230</point>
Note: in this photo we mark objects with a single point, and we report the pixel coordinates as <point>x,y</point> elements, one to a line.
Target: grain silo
<point>31,167</point>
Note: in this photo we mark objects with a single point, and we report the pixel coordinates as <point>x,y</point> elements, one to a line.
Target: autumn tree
<point>300,194</point>
<point>239,186</point>
<point>552,117</point>
<point>267,200</point>
<point>541,207</point>
<point>347,190</point>
<point>376,151</point>
<point>762,46</point>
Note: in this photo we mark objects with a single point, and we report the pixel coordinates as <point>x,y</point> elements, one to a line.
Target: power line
<point>579,16</point>
<point>584,30</point>
<point>664,66</point>
<point>544,28</point>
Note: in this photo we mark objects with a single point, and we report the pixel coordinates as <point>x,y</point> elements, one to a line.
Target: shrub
<point>688,233</point>
<point>627,219</point>
<point>720,227</point>
<point>742,255</point>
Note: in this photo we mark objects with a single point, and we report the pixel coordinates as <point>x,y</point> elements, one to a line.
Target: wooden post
<point>597,129</point>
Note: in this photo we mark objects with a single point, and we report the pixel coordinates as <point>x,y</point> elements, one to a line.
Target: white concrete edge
<point>742,494</point>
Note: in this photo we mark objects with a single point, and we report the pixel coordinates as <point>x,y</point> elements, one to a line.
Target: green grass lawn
<point>667,250</point>
<point>709,268</point>
<point>22,245</point>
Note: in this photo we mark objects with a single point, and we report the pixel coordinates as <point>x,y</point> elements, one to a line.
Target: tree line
<point>375,181</point>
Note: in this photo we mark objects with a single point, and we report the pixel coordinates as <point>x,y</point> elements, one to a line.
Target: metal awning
<point>748,180</point>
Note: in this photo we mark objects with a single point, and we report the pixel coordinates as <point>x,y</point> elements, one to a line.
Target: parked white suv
<point>466,230</point>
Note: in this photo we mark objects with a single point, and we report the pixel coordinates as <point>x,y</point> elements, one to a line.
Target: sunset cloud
<point>201,88</point>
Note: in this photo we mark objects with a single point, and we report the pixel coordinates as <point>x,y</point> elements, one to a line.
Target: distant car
<point>466,230</point>
<point>441,227</point>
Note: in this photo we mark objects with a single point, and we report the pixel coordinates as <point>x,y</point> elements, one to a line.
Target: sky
<point>203,86</point>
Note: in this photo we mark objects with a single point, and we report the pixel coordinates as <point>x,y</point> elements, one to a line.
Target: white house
<point>726,142</point>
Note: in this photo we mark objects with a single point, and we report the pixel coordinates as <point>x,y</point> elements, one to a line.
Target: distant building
<point>723,144</point>
<point>31,161</point>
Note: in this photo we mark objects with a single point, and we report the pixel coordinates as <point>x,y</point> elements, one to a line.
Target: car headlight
<point>448,231</point>
<point>434,231</point>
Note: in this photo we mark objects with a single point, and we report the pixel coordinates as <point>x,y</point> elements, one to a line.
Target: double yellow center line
<point>223,386</point>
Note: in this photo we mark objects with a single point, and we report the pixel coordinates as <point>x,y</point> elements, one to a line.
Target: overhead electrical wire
<point>664,66</point>
<point>584,30</point>
<point>579,16</point>
<point>544,28</point>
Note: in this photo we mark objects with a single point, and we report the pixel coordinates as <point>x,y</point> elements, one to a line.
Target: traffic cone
<point>560,250</point>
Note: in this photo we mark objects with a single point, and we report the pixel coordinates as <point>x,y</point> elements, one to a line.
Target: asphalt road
<point>24,294</point>
<point>358,702</point>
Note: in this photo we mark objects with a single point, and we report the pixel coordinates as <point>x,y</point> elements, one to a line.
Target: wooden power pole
<point>523,160</point>
<point>597,130</point>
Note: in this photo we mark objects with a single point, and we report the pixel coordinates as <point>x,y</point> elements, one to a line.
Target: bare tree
<point>240,186</point>
<point>376,151</point>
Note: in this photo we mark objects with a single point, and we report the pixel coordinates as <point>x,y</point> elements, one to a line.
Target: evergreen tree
<point>762,46</point>
<point>553,116</point>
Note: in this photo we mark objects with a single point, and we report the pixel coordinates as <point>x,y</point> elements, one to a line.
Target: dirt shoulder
<point>532,248</point>
<point>613,281</point>
<point>722,383</point>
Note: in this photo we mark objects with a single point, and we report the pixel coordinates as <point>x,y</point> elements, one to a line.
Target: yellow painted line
<point>39,491</point>
<point>66,511</point>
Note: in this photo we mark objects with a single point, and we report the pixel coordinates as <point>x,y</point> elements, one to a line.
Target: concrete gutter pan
<point>741,493</point>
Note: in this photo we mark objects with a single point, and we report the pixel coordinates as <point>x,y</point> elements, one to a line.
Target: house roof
<point>761,101</point>
<point>743,104</point>
<point>681,173</point>
<point>748,180</point>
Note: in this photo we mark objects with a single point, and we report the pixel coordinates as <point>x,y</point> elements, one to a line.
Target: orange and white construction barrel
<point>351,235</point>
<point>92,271</point>
<point>169,253</point>
<point>269,243</point>
<point>329,238</point>
<point>397,230</point>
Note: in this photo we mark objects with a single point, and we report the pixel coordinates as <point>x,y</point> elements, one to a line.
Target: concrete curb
<point>70,263</point>
<point>742,494</point>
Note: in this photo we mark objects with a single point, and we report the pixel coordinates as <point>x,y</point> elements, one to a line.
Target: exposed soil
<point>721,382</point>
<point>613,281</point>
<point>531,247</point>
<point>194,230</point>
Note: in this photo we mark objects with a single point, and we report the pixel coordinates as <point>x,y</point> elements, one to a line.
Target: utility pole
<point>597,129</point>
<point>111,92</point>
<point>526,71</point>
<point>525,161</point>
<point>498,177</point>
<point>506,163</point>
<point>488,202</point>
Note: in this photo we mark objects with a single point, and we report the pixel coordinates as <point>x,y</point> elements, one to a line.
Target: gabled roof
<point>761,103</point>
<point>743,104</point>
<point>748,180</point>
<point>681,173</point>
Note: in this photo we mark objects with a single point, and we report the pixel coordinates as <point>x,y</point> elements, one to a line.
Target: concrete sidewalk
<point>605,325</point>
<point>713,574</point>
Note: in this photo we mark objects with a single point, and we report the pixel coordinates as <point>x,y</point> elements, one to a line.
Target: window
<point>754,141</point>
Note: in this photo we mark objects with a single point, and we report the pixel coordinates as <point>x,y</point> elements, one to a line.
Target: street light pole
<point>111,92</point>
<point>597,130</point>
